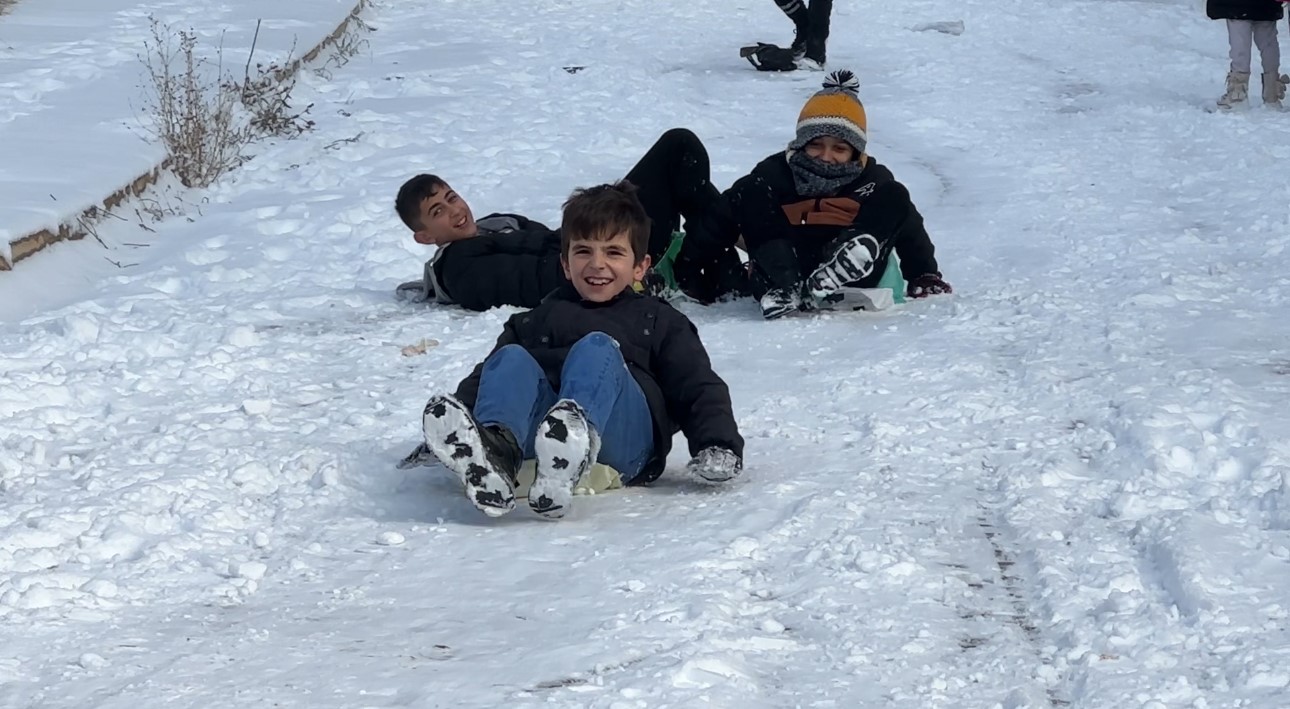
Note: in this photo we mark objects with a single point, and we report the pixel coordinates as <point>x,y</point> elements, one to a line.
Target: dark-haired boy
<point>501,259</point>
<point>507,259</point>
<point>596,372</point>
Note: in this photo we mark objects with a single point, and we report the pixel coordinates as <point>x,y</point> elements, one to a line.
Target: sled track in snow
<point>1016,609</point>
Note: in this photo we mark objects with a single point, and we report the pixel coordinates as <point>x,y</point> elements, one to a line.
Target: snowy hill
<point>1066,485</point>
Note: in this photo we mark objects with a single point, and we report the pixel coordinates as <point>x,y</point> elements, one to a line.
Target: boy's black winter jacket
<point>663,353</point>
<point>787,235</point>
<point>1258,10</point>
<point>513,261</point>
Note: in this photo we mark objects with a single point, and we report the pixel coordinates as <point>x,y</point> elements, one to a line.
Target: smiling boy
<point>824,214</point>
<point>501,259</point>
<point>595,373</point>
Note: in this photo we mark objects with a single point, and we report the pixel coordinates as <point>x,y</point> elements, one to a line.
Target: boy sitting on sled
<point>596,372</point>
<point>824,215</point>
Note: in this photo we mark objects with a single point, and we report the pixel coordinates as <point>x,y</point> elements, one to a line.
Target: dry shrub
<point>206,117</point>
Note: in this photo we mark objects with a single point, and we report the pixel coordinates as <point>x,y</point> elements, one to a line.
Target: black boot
<point>800,35</point>
<point>813,57</point>
<point>819,13</point>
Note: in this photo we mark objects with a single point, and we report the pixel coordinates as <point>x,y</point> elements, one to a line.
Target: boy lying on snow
<point>596,372</point>
<point>507,259</point>
<point>823,214</point>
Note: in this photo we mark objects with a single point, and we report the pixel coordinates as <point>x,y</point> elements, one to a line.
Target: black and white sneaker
<point>852,260</point>
<point>779,302</point>
<point>566,446</point>
<point>486,459</point>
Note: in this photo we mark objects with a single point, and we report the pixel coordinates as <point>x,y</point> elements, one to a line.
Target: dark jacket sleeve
<point>889,215</point>
<point>914,247</point>
<point>697,399</point>
<point>517,268</point>
<point>468,389</point>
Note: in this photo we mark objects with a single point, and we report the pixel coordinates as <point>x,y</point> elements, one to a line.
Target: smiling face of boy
<point>600,269</point>
<point>834,151</point>
<point>445,217</point>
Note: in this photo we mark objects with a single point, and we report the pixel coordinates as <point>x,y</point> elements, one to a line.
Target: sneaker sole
<point>815,280</point>
<point>451,434</point>
<point>563,448</point>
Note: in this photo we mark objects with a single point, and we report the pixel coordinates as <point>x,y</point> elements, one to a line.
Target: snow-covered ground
<point>1068,484</point>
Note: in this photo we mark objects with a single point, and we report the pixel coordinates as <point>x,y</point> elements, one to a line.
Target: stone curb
<point>79,225</point>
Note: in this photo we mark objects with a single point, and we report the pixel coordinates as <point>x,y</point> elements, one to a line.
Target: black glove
<point>928,284</point>
<point>715,464</point>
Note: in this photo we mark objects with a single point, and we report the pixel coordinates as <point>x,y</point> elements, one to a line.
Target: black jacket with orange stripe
<point>788,235</point>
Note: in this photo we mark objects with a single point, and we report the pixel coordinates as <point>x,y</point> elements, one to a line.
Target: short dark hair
<point>412,194</point>
<point>599,213</point>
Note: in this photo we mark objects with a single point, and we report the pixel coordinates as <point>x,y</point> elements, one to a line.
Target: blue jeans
<point>514,393</point>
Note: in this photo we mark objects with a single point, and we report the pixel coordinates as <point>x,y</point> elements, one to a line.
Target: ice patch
<point>242,336</point>
<point>708,671</point>
<point>251,570</point>
<point>256,407</point>
<point>91,661</point>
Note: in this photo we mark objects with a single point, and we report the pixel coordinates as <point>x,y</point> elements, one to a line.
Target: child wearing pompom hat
<point>823,214</point>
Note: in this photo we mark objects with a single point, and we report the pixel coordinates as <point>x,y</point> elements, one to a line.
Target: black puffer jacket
<point>1258,10</point>
<point>663,353</point>
<point>513,261</point>
<point>787,235</point>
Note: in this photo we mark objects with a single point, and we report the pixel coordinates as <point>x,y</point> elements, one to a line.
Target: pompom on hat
<point>835,111</point>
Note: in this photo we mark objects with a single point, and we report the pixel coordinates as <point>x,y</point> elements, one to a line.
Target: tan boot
<point>1238,90</point>
<point>1274,88</point>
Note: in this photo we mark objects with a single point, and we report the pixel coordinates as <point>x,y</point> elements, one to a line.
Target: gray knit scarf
<point>816,178</point>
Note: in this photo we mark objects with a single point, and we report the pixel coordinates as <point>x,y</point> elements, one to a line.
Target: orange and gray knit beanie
<point>835,111</point>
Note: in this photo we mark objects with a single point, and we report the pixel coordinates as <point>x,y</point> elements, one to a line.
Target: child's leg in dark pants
<point>796,11</point>
<point>674,181</point>
<point>820,12</point>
